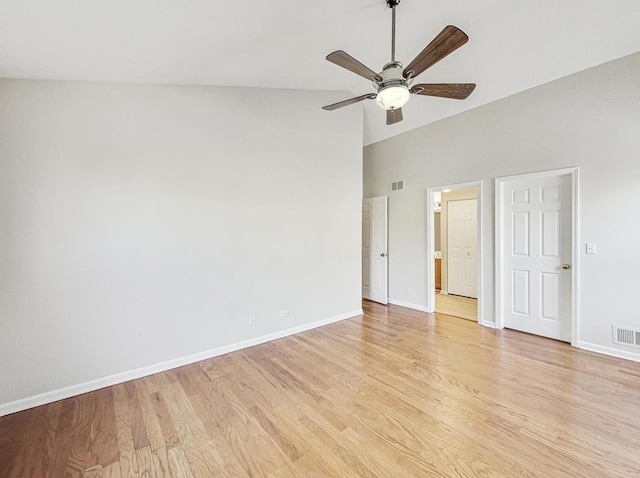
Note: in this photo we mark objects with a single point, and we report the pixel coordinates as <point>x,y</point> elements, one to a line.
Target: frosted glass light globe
<point>392,97</point>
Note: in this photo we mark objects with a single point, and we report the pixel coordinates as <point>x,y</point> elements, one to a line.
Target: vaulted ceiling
<point>513,46</point>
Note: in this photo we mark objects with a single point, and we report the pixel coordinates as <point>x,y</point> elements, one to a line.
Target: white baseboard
<point>90,386</point>
<point>601,349</point>
<point>409,305</point>
<point>489,324</point>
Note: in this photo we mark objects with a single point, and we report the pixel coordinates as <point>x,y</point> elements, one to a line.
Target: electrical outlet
<point>409,291</point>
<point>253,320</point>
<point>284,313</point>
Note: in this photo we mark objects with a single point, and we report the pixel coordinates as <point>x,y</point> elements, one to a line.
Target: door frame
<point>574,173</point>
<point>431,272</point>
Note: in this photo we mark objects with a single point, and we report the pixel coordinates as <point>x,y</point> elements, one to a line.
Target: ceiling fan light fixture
<point>392,97</point>
<point>393,83</point>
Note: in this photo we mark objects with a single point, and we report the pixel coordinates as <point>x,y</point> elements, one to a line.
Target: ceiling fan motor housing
<point>393,90</point>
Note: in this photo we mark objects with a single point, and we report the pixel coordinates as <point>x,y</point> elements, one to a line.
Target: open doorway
<point>454,248</point>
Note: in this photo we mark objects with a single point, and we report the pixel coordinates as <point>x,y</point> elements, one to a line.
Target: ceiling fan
<point>394,83</point>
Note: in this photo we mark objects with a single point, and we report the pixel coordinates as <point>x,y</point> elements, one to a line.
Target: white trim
<point>575,253</point>
<point>540,174</point>
<point>431,287</point>
<point>575,278</point>
<point>498,247</point>
<point>601,349</point>
<point>408,305</point>
<point>73,390</point>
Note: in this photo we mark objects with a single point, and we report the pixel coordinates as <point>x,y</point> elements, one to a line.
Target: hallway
<point>457,306</point>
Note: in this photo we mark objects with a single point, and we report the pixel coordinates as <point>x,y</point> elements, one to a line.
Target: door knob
<point>384,254</point>
<point>566,266</point>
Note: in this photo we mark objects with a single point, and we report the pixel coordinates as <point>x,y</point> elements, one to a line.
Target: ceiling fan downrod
<point>392,4</point>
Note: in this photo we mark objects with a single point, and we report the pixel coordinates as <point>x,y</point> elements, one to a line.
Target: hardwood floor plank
<point>340,449</point>
<point>205,461</point>
<point>111,471</point>
<point>95,471</point>
<point>64,437</point>
<point>103,440</point>
<point>308,449</point>
<point>183,416</point>
<point>169,433</point>
<point>340,443</point>
<point>409,435</point>
<point>396,392</point>
<point>457,306</point>
<point>283,441</point>
<point>232,450</point>
<point>150,418</point>
<point>138,425</point>
<point>129,460</point>
<point>79,457</point>
<point>160,460</point>
<point>281,375</point>
<point>31,458</point>
<point>191,377</point>
<point>178,464</point>
<point>236,431</point>
<point>50,446</point>
<point>144,462</point>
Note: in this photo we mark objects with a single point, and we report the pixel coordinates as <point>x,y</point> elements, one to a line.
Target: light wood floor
<point>457,306</point>
<point>395,393</point>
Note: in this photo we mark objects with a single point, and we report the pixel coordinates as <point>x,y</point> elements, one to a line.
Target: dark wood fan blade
<point>447,41</point>
<point>457,91</point>
<point>394,116</point>
<point>340,104</point>
<point>345,60</point>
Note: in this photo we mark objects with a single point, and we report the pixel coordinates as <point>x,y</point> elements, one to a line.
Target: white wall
<point>590,120</point>
<point>142,224</point>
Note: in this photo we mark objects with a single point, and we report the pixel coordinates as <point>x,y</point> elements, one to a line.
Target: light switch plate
<point>591,248</point>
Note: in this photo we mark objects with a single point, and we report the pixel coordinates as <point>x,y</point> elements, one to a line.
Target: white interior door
<point>374,249</point>
<point>536,255</point>
<point>462,247</point>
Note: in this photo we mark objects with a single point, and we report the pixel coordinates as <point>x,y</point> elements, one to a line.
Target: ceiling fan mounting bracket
<point>392,3</point>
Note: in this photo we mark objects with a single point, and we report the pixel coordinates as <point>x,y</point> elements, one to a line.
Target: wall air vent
<point>626,336</point>
<point>397,185</point>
